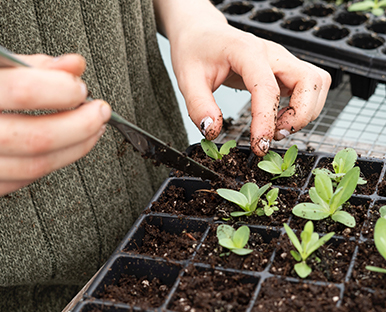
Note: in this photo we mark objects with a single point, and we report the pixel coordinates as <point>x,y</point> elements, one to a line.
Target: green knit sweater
<point>57,232</point>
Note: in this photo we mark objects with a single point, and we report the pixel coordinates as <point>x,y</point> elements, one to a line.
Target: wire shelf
<point>345,121</point>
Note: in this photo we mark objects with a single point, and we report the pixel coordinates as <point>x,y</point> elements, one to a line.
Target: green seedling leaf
<point>226,147</point>
<point>344,160</point>
<point>382,211</point>
<point>310,211</point>
<point>375,269</point>
<point>234,197</point>
<point>377,11</point>
<point>310,243</point>
<point>348,185</point>
<point>275,164</point>
<point>249,190</point>
<point>232,239</point>
<point>212,151</point>
<point>361,6</point>
<point>380,236</point>
<point>302,269</point>
<point>344,218</point>
<point>323,187</point>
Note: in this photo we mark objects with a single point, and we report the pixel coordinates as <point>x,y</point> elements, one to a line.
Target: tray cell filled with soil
<point>260,241</point>
<point>136,282</point>
<point>166,237</point>
<point>202,289</point>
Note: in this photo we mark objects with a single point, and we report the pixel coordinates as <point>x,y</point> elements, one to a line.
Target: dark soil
<point>382,188</point>
<point>335,260</point>
<point>212,291</point>
<point>168,245</point>
<point>373,216</point>
<point>282,296</point>
<point>369,255</point>
<point>358,211</point>
<point>140,292</point>
<point>173,201</point>
<point>212,253</point>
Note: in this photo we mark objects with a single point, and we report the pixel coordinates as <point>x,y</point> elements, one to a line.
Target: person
<point>70,186</point>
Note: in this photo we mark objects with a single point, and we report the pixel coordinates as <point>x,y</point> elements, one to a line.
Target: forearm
<point>174,16</point>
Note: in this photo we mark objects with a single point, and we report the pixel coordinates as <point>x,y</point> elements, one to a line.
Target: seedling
<point>380,239</point>
<point>269,206</point>
<point>310,243</point>
<point>376,7</point>
<point>275,164</point>
<point>234,240</point>
<point>343,161</point>
<point>247,198</point>
<point>212,151</point>
<point>326,202</point>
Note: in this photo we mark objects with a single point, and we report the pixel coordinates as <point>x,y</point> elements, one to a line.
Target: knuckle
<point>38,142</point>
<point>36,167</point>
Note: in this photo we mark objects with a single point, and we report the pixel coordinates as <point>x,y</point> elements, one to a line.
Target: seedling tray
<point>268,268</point>
<point>321,33</point>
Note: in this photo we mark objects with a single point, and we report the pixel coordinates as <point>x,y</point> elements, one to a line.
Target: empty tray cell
<point>167,237</point>
<point>319,10</point>
<point>373,216</point>
<point>142,283</point>
<point>260,241</point>
<point>238,8</point>
<point>331,32</point>
<point>268,15</point>
<point>356,298</point>
<point>276,293</point>
<point>213,290</point>
<point>365,41</point>
<point>378,26</point>
<point>350,18</point>
<point>299,23</point>
<point>287,4</point>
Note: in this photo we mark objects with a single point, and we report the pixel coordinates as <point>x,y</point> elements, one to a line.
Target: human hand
<point>207,52</point>
<point>33,146</point>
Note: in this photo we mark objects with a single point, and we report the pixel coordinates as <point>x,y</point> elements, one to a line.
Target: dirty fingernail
<point>105,111</point>
<point>263,145</point>
<point>281,134</point>
<point>205,124</point>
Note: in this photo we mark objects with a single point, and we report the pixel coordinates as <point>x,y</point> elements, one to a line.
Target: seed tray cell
<point>345,249</point>
<point>321,33</point>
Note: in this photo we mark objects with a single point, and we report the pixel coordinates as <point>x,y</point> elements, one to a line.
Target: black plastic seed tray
<point>321,33</point>
<point>269,267</point>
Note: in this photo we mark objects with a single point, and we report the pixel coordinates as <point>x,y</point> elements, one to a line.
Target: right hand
<point>33,146</point>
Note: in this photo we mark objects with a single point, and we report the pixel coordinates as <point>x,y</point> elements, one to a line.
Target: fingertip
<point>72,63</point>
<point>211,128</point>
<point>260,146</point>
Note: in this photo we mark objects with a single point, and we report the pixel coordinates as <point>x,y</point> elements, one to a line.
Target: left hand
<point>207,52</point>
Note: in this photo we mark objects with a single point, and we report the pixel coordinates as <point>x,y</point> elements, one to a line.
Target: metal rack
<point>345,121</point>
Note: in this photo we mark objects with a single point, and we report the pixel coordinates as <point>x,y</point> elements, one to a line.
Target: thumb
<point>202,108</point>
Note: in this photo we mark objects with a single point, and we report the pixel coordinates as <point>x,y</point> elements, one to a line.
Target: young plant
<point>343,161</point>
<point>247,198</point>
<point>326,202</point>
<point>234,240</point>
<point>275,164</point>
<point>310,243</point>
<point>269,206</point>
<point>212,151</point>
<point>376,7</point>
<point>380,239</point>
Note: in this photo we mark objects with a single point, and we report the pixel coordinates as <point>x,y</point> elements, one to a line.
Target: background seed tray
<point>321,33</point>
<point>172,272</point>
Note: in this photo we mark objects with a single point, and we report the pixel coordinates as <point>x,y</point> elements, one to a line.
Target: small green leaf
<point>227,243</point>
<point>293,238</point>
<point>382,211</point>
<point>242,251</point>
<point>288,173</point>
<point>272,195</point>
<point>269,167</point>
<point>310,211</point>
<point>323,186</point>
<point>316,199</point>
<point>241,236</point>
<point>344,217</point>
<point>344,160</point>
<point>380,236</point>
<point>290,156</point>
<point>324,239</point>
<point>224,231</point>
<point>377,11</point>
<point>375,269</point>
<point>302,269</point>
<point>240,213</point>
<point>226,147</point>
<point>210,149</point>
<point>382,3</point>
<point>361,6</point>
<point>249,190</point>
<point>348,184</point>
<point>296,255</point>
<point>234,197</point>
